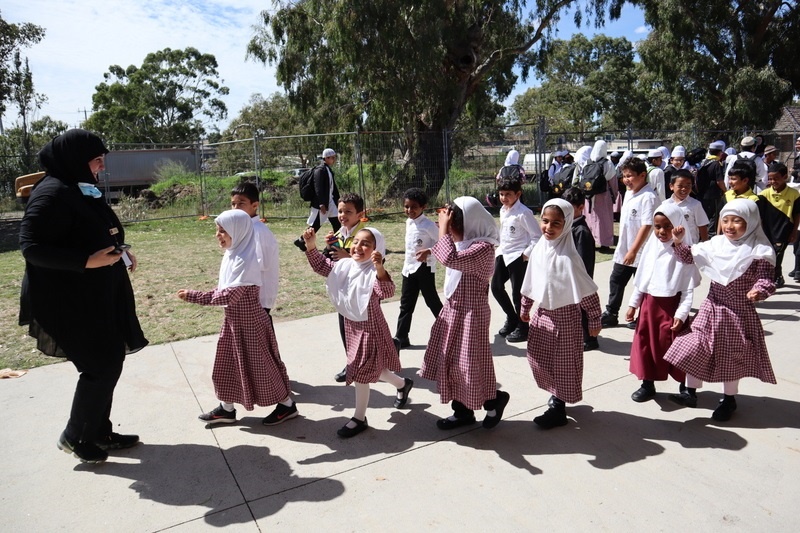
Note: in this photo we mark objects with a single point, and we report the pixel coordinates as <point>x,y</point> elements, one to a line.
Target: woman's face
<point>223,238</point>
<point>97,164</point>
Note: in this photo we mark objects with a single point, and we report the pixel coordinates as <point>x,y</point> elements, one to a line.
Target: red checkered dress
<point>248,369</point>
<point>370,348</point>
<point>555,346</point>
<point>459,356</point>
<point>726,341</point>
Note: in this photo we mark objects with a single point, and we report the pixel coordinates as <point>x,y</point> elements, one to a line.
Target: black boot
<point>723,412</point>
<point>644,393</point>
<point>555,416</point>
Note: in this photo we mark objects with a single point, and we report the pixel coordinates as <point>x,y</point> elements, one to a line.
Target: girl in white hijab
<point>557,281</point>
<point>663,290</point>
<point>356,285</point>
<point>459,355</point>
<point>726,341</point>
<point>247,369</point>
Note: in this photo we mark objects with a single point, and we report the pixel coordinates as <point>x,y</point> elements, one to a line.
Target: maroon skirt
<point>653,338</point>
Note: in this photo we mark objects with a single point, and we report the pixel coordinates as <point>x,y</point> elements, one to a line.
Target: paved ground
<point>617,466</point>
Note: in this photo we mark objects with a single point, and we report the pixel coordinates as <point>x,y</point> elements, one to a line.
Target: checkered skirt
<point>459,356</point>
<point>247,369</point>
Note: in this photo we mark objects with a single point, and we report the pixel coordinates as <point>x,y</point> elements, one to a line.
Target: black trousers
<point>422,281</point>
<point>333,220</point>
<point>89,419</point>
<point>620,276</point>
<point>712,207</point>
<point>502,273</point>
<point>780,250</point>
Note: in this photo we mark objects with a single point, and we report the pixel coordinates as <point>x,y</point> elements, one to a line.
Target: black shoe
<point>779,282</point>
<point>631,325</point>
<point>501,401</point>
<point>507,328</point>
<point>446,423</point>
<point>400,402</point>
<point>591,345</point>
<point>346,432</point>
<point>644,393</point>
<point>401,343</point>
<point>551,418</point>
<point>87,452</point>
<point>115,441</point>
<point>725,409</point>
<point>341,377</point>
<point>218,416</point>
<point>519,335</point>
<point>605,250</point>
<point>684,398</point>
<point>607,320</point>
<point>280,415</point>
<point>300,243</point>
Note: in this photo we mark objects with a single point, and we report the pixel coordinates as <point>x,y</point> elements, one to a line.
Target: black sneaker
<point>779,282</point>
<point>341,377</point>
<point>519,335</point>
<point>115,441</point>
<point>401,343</point>
<point>607,320</point>
<point>280,415</point>
<point>725,409</point>
<point>300,243</point>
<point>507,328</point>
<point>219,416</point>
<point>551,418</point>
<point>87,452</point>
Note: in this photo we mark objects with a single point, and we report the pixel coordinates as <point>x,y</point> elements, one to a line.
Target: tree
<point>421,67</point>
<point>13,37</point>
<point>14,160</point>
<point>169,99</point>
<point>731,63</point>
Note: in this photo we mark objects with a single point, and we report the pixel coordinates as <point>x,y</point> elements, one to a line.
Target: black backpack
<point>705,181</point>
<point>510,171</point>
<point>743,161</point>
<point>593,178</point>
<point>544,181</point>
<point>563,179</point>
<point>306,185</point>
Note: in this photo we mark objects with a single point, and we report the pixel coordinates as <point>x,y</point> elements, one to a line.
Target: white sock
<point>228,406</point>
<point>287,402</point>
<point>393,379</point>
<point>493,412</point>
<point>362,400</point>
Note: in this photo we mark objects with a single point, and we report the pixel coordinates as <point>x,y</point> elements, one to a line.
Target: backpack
<point>510,171</point>
<point>742,161</point>
<point>544,182</point>
<point>563,179</point>
<point>705,181</point>
<point>306,185</point>
<point>593,178</point>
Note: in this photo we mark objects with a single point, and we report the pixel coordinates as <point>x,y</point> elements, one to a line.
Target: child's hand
<point>678,234</point>
<point>445,218</point>
<point>629,258</point>
<point>183,294</point>
<point>677,324</point>
<point>422,255</point>
<point>525,317</point>
<point>595,332</point>
<point>330,238</point>
<point>629,315</point>
<point>377,259</point>
<point>339,253</point>
<point>310,238</point>
<point>754,295</point>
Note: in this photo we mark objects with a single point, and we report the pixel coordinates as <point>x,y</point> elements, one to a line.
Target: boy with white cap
<point>655,175</point>
<point>748,146</point>
<point>326,197</point>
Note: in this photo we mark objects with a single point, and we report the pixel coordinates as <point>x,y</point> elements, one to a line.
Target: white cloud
<point>640,30</point>
<point>83,38</point>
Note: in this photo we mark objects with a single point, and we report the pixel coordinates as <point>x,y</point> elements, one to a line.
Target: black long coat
<point>322,187</point>
<point>73,311</point>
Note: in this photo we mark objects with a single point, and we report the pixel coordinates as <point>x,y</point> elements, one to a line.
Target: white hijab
<point>582,156</point>
<point>626,156</point>
<point>599,151</point>
<point>555,276</point>
<point>239,265</point>
<point>659,272</point>
<point>724,260</point>
<point>350,283</point>
<point>512,158</point>
<point>479,225</point>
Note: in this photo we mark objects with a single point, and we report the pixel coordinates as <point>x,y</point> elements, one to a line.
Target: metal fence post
<point>359,163</point>
<point>446,165</point>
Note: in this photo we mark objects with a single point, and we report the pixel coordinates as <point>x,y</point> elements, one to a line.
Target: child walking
<point>726,341</point>
<point>584,245</point>
<point>555,350</point>
<point>356,285</point>
<point>247,369</point>
<point>663,291</point>
<point>459,356</point>
<point>519,232</point>
<point>419,268</point>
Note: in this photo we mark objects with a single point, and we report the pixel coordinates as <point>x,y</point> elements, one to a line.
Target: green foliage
<point>14,37</point>
<point>18,156</point>
<point>165,100</point>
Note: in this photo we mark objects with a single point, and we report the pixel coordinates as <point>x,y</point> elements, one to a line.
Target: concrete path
<point>617,466</point>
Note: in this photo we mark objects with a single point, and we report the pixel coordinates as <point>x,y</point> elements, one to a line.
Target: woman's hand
<point>134,262</point>
<point>103,258</point>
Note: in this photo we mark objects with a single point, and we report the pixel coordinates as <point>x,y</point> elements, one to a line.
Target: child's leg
<point>393,379</point>
<point>408,302</point>
<point>620,276</point>
<point>516,273</point>
<point>727,405</point>
<point>499,279</point>
<point>362,400</point>
<point>780,250</point>
<point>427,286</point>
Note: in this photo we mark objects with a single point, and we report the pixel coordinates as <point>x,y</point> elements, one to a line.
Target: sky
<point>83,38</point>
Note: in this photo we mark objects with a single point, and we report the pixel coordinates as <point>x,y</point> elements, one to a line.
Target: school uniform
<point>787,202</point>
<point>268,260</point>
<point>694,215</point>
<point>555,340</point>
<point>637,210</point>
<point>599,210</point>
<point>418,277</point>
<point>726,340</point>
<point>663,291</point>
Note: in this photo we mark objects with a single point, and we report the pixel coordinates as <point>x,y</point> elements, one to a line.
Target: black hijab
<point>67,156</point>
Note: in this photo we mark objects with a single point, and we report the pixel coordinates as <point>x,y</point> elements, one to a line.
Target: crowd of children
<point>663,246</point>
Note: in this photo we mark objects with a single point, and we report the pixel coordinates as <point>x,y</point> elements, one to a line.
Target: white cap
<point>717,145</point>
<point>562,153</point>
<point>748,141</point>
<point>328,152</point>
<point>615,154</point>
<point>679,151</point>
<point>730,151</point>
<point>655,152</point>
<point>644,157</point>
